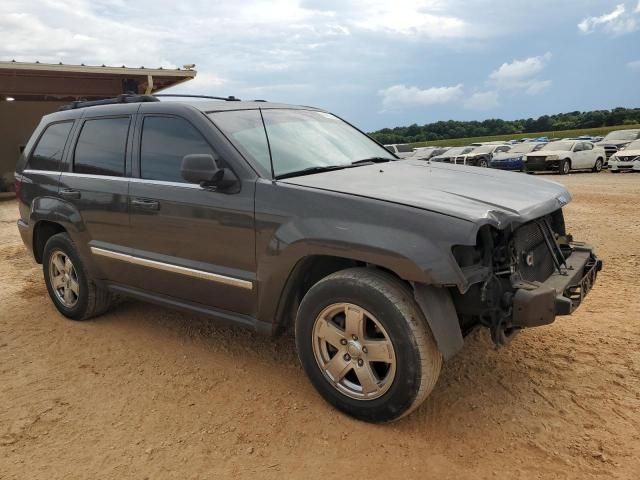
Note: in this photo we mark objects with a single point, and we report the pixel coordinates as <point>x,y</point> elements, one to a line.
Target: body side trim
<point>167,267</point>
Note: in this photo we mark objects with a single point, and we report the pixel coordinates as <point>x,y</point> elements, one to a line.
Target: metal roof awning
<point>41,81</point>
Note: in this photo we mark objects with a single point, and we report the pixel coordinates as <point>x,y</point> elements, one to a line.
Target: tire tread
<point>401,296</point>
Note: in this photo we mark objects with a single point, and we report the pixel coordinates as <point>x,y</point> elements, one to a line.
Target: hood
<point>470,193</point>
<point>547,153</point>
<point>507,155</point>
<point>614,143</point>
<point>627,153</point>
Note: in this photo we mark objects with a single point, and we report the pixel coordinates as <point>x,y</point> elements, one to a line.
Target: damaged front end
<point>523,277</point>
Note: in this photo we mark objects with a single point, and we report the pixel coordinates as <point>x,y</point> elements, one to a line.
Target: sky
<point>375,63</point>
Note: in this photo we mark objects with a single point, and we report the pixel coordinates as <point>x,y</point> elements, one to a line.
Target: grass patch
<point>460,142</point>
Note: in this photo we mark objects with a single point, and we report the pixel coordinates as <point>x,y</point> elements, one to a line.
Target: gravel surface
<point>148,392</point>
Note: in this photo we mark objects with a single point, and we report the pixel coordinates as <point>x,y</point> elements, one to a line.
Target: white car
<point>628,158</point>
<point>618,140</point>
<point>481,155</point>
<point>402,150</point>
<point>564,156</point>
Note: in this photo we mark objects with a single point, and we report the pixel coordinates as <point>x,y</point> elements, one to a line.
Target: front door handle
<point>145,204</point>
<point>69,193</point>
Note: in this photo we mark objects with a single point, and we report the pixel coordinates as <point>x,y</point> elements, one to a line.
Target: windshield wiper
<point>372,160</point>
<point>312,170</point>
<point>328,168</point>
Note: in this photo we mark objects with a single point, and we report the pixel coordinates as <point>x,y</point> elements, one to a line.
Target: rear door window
<point>165,141</point>
<point>48,152</point>
<point>102,146</point>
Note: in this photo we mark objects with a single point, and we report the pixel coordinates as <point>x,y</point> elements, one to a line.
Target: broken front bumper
<point>538,303</point>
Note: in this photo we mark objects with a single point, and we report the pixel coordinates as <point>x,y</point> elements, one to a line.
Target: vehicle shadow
<point>496,384</point>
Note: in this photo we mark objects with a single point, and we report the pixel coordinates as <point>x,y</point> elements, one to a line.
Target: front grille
<point>535,261</point>
<point>610,150</point>
<point>536,161</point>
<point>629,158</point>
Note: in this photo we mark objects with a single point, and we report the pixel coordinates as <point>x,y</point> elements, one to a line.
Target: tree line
<point>494,126</point>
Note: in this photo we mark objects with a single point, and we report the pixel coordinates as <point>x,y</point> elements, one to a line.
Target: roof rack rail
<point>230,98</point>
<point>124,98</point>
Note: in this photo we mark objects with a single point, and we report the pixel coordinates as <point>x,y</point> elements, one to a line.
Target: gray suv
<point>286,218</point>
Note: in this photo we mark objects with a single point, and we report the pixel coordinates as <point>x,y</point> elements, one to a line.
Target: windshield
<point>558,146</point>
<point>458,151</point>
<point>622,135</point>
<point>523,148</point>
<point>483,149</point>
<point>298,139</point>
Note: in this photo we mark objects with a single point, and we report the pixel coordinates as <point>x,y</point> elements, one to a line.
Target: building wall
<point>17,121</point>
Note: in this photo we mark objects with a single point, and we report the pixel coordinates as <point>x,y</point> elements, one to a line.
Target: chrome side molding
<point>168,267</point>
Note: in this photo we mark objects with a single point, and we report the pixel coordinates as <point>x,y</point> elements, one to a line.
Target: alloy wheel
<point>354,351</point>
<point>64,279</point>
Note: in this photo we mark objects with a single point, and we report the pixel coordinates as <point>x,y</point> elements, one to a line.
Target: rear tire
<point>72,291</point>
<point>401,365</point>
<point>565,166</point>
<point>598,166</point>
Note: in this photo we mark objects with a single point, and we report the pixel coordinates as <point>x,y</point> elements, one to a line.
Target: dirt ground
<point>147,392</point>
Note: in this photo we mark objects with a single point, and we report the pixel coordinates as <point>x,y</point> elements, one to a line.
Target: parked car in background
<point>480,144</point>
<point>564,156</point>
<point>616,140</point>
<point>450,154</point>
<point>423,153</point>
<point>437,151</point>
<point>482,155</point>
<point>513,158</point>
<point>401,150</point>
<point>627,159</point>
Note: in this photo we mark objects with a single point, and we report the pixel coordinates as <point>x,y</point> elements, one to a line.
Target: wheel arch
<point>43,230</point>
<point>307,271</point>
<point>434,302</point>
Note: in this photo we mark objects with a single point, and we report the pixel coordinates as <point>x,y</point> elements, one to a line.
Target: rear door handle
<point>69,193</point>
<point>145,204</point>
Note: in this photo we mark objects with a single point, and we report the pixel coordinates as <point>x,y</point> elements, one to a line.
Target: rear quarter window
<point>48,151</point>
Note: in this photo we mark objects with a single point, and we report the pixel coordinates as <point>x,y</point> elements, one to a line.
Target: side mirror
<point>202,169</point>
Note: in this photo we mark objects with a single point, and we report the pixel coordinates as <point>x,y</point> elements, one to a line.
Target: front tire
<point>483,163</point>
<point>598,166</point>
<point>366,346</point>
<point>72,291</point>
<point>565,166</point>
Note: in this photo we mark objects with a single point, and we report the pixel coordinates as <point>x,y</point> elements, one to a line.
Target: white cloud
<point>634,65</point>
<point>482,100</point>
<point>519,70</point>
<point>410,18</point>
<point>537,86</point>
<point>522,75</point>
<point>400,96</point>
<point>616,22</point>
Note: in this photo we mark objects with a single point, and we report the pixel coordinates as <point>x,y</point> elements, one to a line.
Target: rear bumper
<point>561,294</point>
<point>26,232</point>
